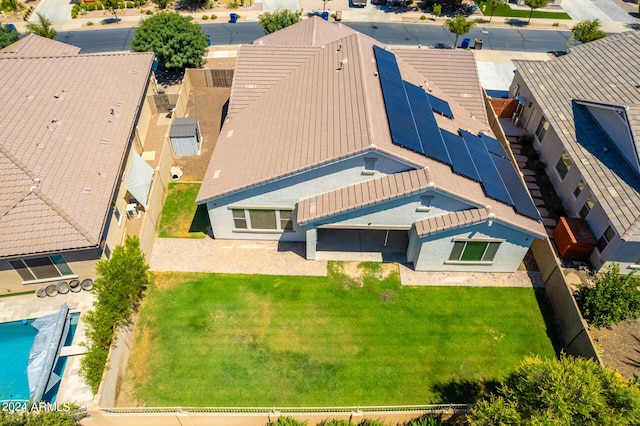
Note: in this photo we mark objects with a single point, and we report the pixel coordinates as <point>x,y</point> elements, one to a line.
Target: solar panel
<point>491,179</point>
<point>401,123</point>
<point>461,161</point>
<point>426,123</point>
<point>521,199</point>
<point>440,106</point>
<point>493,146</point>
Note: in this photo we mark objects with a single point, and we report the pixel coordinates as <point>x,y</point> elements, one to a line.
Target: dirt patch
<point>356,272</point>
<point>619,347</point>
<point>137,369</point>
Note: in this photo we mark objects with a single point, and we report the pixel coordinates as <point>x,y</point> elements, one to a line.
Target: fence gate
<point>162,101</point>
<point>219,78</point>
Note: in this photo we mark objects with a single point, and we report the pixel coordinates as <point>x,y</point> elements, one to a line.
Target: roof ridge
<point>15,202</point>
<point>460,218</point>
<point>365,93</point>
<point>17,162</point>
<point>64,215</point>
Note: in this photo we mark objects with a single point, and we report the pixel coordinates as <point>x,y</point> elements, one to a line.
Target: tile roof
<point>435,177</point>
<point>458,219</point>
<point>33,46</point>
<point>62,144</point>
<point>295,108</point>
<point>315,32</point>
<point>605,71</point>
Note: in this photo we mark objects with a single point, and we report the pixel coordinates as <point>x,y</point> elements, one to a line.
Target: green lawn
<point>506,11</point>
<point>181,216</point>
<point>253,340</point>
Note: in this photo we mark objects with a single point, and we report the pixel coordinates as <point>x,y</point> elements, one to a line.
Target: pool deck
<point>15,308</point>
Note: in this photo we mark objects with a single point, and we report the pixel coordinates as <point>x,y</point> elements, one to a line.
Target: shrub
<point>129,5</point>
<point>27,13</point>
<point>99,6</point>
<point>74,11</point>
<point>214,17</point>
<point>205,18</point>
<point>149,12</point>
<point>89,24</point>
<point>423,17</point>
<point>233,5</point>
<point>91,7</point>
<point>614,298</point>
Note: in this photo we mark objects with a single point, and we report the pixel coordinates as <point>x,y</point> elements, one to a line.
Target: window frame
<point>542,129</point>
<point>578,189</point>
<point>564,160</point>
<point>57,261</point>
<point>604,238</point>
<point>488,254</point>
<point>281,224</point>
<point>588,205</point>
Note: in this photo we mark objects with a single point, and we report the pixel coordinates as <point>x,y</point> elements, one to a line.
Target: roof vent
<point>86,191</point>
<point>104,141</point>
<point>339,47</point>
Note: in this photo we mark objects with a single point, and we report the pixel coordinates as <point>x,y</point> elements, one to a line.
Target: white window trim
<point>118,216</point>
<point>247,217</point>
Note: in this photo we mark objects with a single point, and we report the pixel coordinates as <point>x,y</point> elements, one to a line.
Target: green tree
<point>42,28</point>
<point>8,5</point>
<point>112,5</point>
<point>436,11</point>
<point>614,298</point>
<point>118,290</point>
<point>493,4</point>
<point>7,36</point>
<point>176,41</point>
<point>588,30</point>
<point>274,21</point>
<point>535,4</point>
<point>162,4</point>
<point>569,391</point>
<point>459,25</point>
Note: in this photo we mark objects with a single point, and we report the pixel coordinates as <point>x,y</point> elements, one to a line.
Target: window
<point>425,203</point>
<point>117,214</point>
<point>107,251</point>
<point>41,268</point>
<point>369,166</point>
<point>563,166</point>
<point>606,238</point>
<point>263,219</point>
<point>541,131</point>
<point>239,219</point>
<point>474,251</point>
<point>578,190</point>
<point>588,205</point>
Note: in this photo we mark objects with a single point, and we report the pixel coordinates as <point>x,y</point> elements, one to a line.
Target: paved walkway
<point>274,258</point>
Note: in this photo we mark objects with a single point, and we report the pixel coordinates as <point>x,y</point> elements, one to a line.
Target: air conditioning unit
<point>132,211</point>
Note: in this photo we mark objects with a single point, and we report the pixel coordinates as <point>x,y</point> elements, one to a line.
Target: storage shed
<point>574,238</point>
<point>185,137</point>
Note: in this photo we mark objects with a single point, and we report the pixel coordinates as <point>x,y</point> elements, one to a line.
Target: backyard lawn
<point>181,216</point>
<point>255,340</point>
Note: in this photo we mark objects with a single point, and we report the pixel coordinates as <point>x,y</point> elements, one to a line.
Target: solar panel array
<point>413,126</point>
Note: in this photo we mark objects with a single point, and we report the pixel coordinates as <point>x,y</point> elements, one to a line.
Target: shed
<point>574,238</point>
<point>185,136</point>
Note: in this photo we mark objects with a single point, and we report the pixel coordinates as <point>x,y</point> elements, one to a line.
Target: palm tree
<point>42,27</point>
<point>459,25</point>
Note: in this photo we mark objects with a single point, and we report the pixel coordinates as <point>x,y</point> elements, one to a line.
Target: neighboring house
<point>584,110</point>
<point>67,126</point>
<point>332,140</point>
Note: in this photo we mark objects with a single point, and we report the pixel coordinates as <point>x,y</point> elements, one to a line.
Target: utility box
<point>574,238</point>
<point>185,136</point>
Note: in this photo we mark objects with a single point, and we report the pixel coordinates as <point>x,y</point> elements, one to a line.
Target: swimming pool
<point>16,338</point>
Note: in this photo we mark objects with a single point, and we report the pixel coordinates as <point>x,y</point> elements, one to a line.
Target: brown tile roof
<point>33,46</point>
<point>316,32</point>
<point>605,71</point>
<point>293,109</point>
<point>62,148</point>
<point>436,177</point>
<point>458,219</point>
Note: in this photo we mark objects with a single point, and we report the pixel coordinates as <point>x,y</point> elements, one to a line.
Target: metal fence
<point>429,408</point>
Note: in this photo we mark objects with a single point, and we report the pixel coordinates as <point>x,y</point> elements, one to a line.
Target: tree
<point>112,5</point>
<point>118,290</point>
<point>176,41</point>
<point>459,25</point>
<point>565,391</point>
<point>614,298</point>
<point>7,36</point>
<point>436,11</point>
<point>274,21</point>
<point>162,4</point>
<point>588,30</point>
<point>42,28</point>
<point>492,4</point>
<point>535,4</point>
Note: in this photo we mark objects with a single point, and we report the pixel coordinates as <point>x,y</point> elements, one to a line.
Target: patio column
<point>312,239</point>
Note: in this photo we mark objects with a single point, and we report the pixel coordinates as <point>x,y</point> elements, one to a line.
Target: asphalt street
<point>510,39</point>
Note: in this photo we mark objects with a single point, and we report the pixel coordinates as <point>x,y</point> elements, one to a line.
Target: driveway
<point>272,5</point>
<point>54,10</point>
